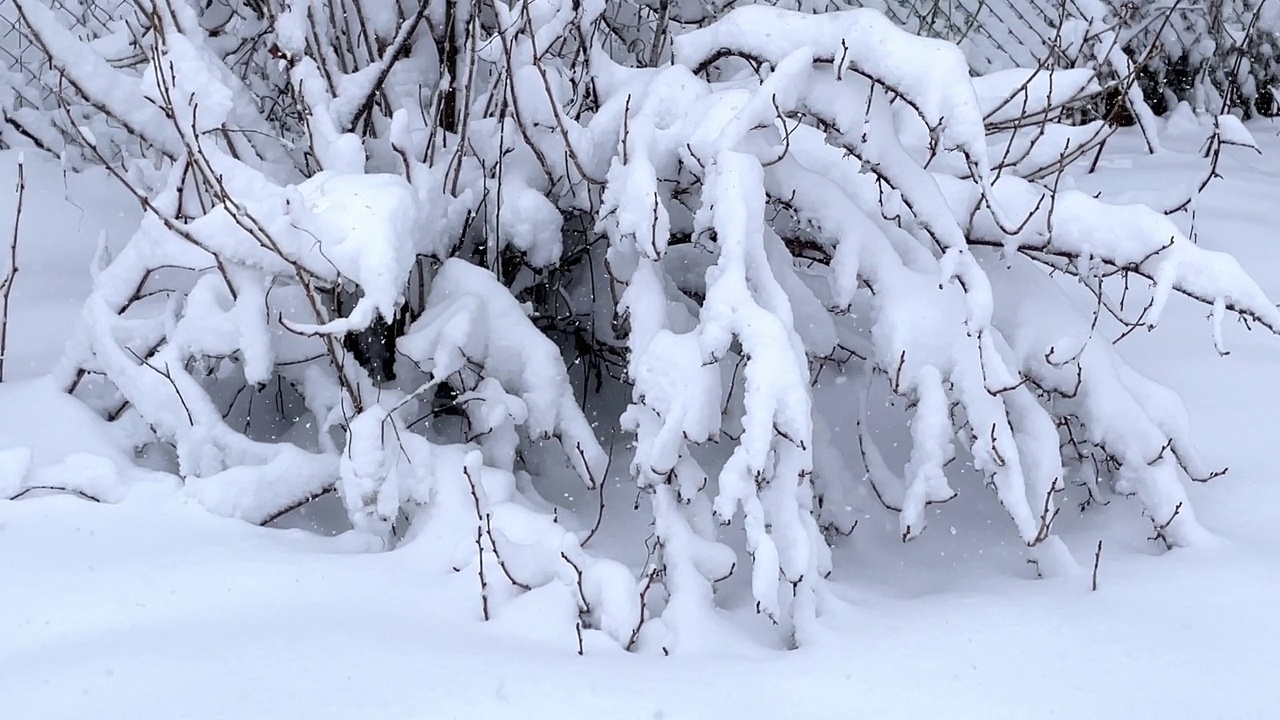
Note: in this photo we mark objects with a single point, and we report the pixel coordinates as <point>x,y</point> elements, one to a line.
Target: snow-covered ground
<point>151,608</point>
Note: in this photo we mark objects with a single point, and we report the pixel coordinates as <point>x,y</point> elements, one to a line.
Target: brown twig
<point>502,564</point>
<point>1097,558</point>
<point>584,607</point>
<point>389,57</point>
<point>1160,528</point>
<point>644,592</point>
<point>55,488</point>
<point>1047,515</point>
<point>484,581</point>
<point>167,374</point>
<point>11,273</point>
<point>600,484</point>
<point>310,497</point>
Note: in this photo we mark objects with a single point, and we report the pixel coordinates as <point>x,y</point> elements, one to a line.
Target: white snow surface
<point>150,607</point>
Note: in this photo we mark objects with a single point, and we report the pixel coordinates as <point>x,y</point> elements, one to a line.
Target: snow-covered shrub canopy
<point>1218,56</point>
<point>434,256</point>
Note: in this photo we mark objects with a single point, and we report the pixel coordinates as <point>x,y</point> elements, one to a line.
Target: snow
<point>931,74</point>
<point>473,316</point>
<point>152,607</point>
<point>446,554</point>
<point>363,225</point>
<point>194,617</point>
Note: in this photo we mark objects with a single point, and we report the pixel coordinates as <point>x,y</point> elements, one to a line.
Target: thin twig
<point>1097,558</point>
<point>11,273</point>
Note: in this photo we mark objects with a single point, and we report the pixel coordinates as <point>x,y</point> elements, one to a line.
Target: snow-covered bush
<point>428,255</point>
<point>1218,56</point>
